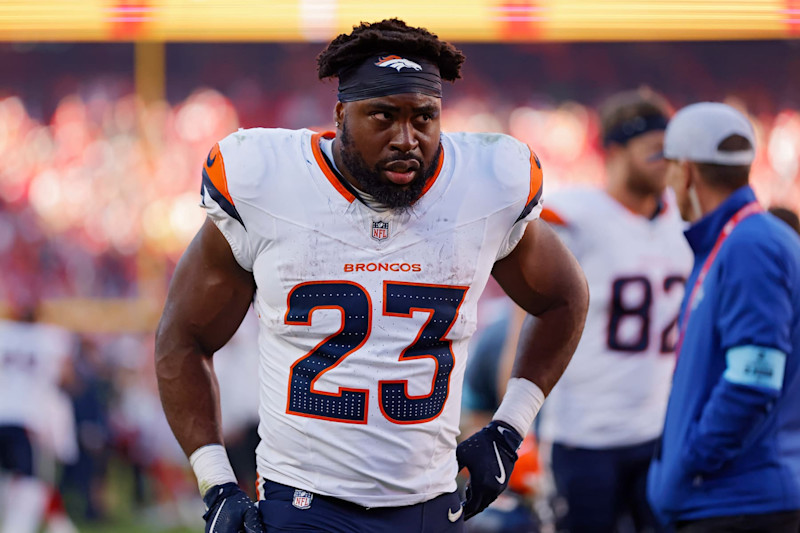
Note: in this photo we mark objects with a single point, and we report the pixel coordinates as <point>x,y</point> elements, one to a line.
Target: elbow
<point>164,362</point>
<point>574,304</point>
<point>178,352</point>
<point>575,309</point>
<point>582,298</point>
<point>170,352</point>
<point>163,340</point>
<point>575,295</point>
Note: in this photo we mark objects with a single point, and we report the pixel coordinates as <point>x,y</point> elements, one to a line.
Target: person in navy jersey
<point>730,453</point>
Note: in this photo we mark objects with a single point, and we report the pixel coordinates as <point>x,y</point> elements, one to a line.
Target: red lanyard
<point>750,209</point>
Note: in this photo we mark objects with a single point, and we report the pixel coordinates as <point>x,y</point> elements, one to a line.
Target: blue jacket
<point>731,441</point>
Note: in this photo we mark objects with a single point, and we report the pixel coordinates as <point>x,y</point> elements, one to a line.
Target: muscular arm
<point>208,297</point>
<point>543,277</point>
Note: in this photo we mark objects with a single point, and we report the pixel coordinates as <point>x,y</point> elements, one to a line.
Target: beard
<point>645,181</point>
<point>370,180</point>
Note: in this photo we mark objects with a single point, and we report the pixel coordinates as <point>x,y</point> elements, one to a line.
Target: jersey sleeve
<point>552,214</point>
<point>217,199</point>
<point>531,211</point>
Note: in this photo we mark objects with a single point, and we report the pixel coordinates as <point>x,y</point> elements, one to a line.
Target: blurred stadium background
<point>108,108</point>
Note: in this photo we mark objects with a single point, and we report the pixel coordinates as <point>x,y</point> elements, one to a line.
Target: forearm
<point>509,352</point>
<point>189,394</point>
<point>208,298</point>
<point>737,408</point>
<point>543,277</point>
<point>733,414</point>
<point>536,372</point>
<point>547,342</point>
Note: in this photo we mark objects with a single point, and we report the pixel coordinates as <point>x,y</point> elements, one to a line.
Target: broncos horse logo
<point>397,62</point>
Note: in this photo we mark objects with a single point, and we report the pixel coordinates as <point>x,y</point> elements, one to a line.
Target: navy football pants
<point>331,515</point>
<point>600,486</point>
<point>16,452</point>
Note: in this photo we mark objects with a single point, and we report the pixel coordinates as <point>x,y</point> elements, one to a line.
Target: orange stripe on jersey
<point>536,177</point>
<point>435,174</point>
<point>548,215</point>
<point>215,168</point>
<point>324,166</point>
<point>535,192</point>
<point>338,184</point>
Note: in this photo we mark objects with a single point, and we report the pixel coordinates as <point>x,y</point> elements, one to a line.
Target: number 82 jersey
<point>614,391</point>
<point>365,314</point>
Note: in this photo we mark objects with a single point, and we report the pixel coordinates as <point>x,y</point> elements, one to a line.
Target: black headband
<point>634,127</point>
<point>386,74</point>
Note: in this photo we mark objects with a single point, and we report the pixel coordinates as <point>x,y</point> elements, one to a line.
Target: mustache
<point>401,157</point>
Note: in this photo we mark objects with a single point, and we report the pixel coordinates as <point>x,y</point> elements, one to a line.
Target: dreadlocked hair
<point>391,36</point>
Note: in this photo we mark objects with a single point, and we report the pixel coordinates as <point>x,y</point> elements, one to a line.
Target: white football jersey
<point>32,356</point>
<point>614,391</point>
<point>365,315</point>
<point>236,367</point>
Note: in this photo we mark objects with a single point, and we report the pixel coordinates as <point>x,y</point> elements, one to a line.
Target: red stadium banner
<point>520,20</point>
<point>128,19</point>
<point>792,19</point>
<point>454,20</point>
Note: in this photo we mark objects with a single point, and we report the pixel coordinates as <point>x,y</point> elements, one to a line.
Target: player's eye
<point>382,115</point>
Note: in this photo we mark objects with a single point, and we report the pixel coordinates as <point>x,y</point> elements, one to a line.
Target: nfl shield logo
<point>302,499</point>
<point>380,230</point>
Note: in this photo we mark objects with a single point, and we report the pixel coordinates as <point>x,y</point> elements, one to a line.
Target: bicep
<point>541,273</point>
<point>208,297</point>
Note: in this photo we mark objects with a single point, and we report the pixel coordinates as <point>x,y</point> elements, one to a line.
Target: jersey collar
<point>340,183</point>
<point>703,234</point>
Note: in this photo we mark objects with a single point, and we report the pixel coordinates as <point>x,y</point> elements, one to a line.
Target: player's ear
<point>690,174</point>
<point>338,115</point>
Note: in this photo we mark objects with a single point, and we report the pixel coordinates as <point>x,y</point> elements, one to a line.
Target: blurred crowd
<point>103,195</point>
<point>99,197</point>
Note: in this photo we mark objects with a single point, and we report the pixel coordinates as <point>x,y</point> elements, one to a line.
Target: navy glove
<point>489,455</point>
<point>231,511</point>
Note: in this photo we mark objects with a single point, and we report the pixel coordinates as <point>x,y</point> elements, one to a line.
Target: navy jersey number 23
<point>400,299</point>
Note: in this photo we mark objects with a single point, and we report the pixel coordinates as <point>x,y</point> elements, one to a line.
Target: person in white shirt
<point>607,411</point>
<point>37,425</point>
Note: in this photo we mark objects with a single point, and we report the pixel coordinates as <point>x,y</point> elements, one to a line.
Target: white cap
<point>695,132</point>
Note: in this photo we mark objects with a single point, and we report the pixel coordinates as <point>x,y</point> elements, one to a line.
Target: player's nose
<point>404,137</point>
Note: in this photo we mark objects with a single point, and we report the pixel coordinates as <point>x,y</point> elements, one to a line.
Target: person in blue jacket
<point>729,459</point>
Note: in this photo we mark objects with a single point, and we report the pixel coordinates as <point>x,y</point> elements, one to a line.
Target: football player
<point>36,420</point>
<point>608,409</point>
<point>364,252</point>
